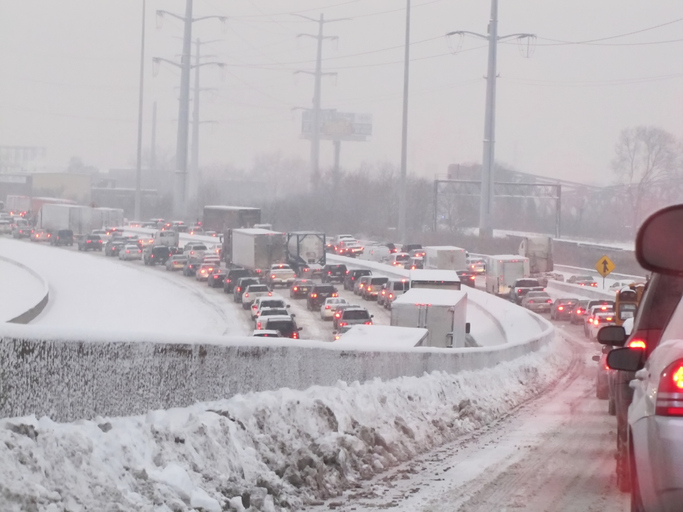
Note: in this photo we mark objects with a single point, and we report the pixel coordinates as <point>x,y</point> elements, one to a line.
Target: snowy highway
<point>519,451</point>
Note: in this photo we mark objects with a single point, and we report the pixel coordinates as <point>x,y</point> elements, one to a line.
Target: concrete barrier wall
<point>36,308</point>
<point>68,375</point>
<point>574,290</point>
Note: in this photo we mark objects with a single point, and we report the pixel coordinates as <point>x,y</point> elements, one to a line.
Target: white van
<point>167,237</point>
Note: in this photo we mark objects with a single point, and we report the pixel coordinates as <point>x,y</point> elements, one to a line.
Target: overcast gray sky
<point>69,74</point>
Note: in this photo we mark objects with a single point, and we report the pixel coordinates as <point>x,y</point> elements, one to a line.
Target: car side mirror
<point>372,316</point>
<point>606,349</point>
<point>293,315</point>
<point>595,358</point>
<point>625,359</point>
<point>300,329</point>
<point>288,306</point>
<point>613,335</point>
<point>467,328</point>
<point>658,245</point>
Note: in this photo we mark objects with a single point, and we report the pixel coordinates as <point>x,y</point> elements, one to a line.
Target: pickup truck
<point>522,287</point>
<point>280,274</point>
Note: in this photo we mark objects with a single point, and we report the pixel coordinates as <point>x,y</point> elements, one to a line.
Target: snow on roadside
<point>270,451</point>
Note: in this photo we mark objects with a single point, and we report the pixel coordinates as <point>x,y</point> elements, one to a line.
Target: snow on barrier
<point>70,375</point>
<point>36,307</point>
<point>574,290</point>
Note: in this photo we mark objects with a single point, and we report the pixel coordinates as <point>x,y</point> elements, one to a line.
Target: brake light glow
<point>670,390</point>
<point>369,288</point>
<point>335,295</point>
<point>246,295</point>
<point>368,323</point>
<point>314,295</point>
<point>295,335</point>
<point>560,308</point>
<point>270,294</point>
<point>327,306</point>
<point>549,301</point>
<point>272,276</point>
<point>342,324</point>
<point>239,289</point>
<point>640,344</point>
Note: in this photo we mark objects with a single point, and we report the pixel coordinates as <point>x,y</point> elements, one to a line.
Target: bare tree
<point>645,162</point>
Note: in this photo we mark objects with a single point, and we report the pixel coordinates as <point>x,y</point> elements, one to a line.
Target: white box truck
<point>54,217</point>
<point>434,279</point>
<point>503,270</point>
<point>445,257</point>
<point>258,249</point>
<point>442,312</point>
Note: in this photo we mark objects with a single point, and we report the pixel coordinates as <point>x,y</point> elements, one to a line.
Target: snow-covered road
<point>553,453</point>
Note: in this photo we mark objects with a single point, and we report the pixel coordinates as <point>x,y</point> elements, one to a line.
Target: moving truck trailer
<point>442,312</point>
<point>257,249</point>
<point>445,257</point>
<point>503,270</point>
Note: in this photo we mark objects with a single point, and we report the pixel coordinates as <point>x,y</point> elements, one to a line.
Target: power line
<point>559,42</point>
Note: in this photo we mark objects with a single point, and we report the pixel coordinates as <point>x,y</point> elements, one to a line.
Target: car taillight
<point>670,390</point>
<point>638,344</point>
<point>314,295</point>
<point>594,284</point>
<point>368,323</point>
<point>327,306</point>
<point>337,315</point>
<point>254,306</point>
<point>391,295</point>
<point>258,325</point>
<point>127,251</point>
<point>295,288</point>
<point>579,311</point>
<point>270,294</point>
<point>342,324</point>
<point>272,276</point>
<point>246,295</point>
<point>329,272</point>
<point>335,295</point>
<point>549,301</point>
<point>608,319</point>
<point>369,288</point>
<point>560,308</point>
<point>227,280</point>
<point>295,335</point>
<point>384,292</point>
<point>530,301</point>
<point>239,289</point>
<point>472,278</point>
<point>519,290</point>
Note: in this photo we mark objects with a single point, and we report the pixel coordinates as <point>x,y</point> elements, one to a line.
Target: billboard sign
<point>338,125</point>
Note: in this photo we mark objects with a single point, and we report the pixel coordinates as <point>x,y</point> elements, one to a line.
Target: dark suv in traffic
<point>241,286</point>
<point>318,294</point>
<point>90,243</point>
<point>62,237</point>
<point>333,273</point>
<point>156,254</point>
<point>233,275</point>
<point>354,275</point>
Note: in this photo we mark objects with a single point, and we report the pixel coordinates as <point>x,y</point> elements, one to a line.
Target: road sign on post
<point>604,266</point>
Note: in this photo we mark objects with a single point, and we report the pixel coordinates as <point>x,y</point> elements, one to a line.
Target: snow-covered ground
<point>279,450</point>
<point>20,289</point>
<point>96,293</point>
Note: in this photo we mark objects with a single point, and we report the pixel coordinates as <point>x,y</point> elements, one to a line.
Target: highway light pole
<point>488,159</point>
<point>402,199</point>
<point>138,163</point>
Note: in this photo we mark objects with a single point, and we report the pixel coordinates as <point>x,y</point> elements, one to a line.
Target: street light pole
<point>402,196</point>
<point>138,165</point>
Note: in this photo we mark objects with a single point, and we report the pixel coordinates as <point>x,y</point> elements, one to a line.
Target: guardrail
<point>38,307</point>
<point>573,290</point>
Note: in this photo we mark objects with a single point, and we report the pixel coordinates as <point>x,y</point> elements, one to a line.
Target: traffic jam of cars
<point>639,368</point>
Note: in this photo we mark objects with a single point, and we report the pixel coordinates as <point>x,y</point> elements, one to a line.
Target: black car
<point>113,247</point>
<point>353,275</point>
<point>562,309</point>
<point>62,237</point>
<point>284,324</point>
<point>231,278</point>
<point>410,247</point>
<point>90,243</point>
<point>216,278</point>
<point>190,268</point>
<point>467,277</point>
<point>318,294</point>
<point>300,288</point>
<point>241,286</point>
<point>156,254</point>
<point>333,273</point>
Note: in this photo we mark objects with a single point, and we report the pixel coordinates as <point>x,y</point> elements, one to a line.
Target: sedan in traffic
<point>216,278</point>
<point>130,252</point>
<point>562,309</point>
<point>538,302</point>
<point>300,288</point>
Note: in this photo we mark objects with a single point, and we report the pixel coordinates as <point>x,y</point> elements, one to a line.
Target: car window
<point>356,314</point>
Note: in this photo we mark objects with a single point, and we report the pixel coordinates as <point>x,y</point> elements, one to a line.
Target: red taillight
<point>295,288</point>
<point>88,241</point>
<point>246,295</point>
<point>594,284</point>
<point>670,391</point>
<point>314,295</point>
<point>472,278</point>
<point>272,276</point>
<point>391,295</point>
<point>270,294</point>
<point>560,308</point>
<point>638,344</point>
<point>337,315</point>
<point>127,251</point>
<point>329,272</point>
<point>258,325</point>
<point>342,324</point>
<point>335,295</point>
<point>295,335</point>
<point>239,289</point>
<point>579,311</point>
<point>327,306</point>
<point>549,301</point>
<point>369,288</point>
<point>519,290</point>
<point>368,323</point>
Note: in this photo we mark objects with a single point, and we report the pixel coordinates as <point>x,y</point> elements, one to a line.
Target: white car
<point>267,301</point>
<point>130,252</point>
<point>328,307</point>
<point>253,292</point>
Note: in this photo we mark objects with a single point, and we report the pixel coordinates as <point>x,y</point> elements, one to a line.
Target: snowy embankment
<point>275,450</point>
<point>21,291</point>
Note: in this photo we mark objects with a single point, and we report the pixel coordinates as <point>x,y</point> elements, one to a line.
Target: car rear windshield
<point>198,248</point>
<point>273,311</point>
<point>356,314</point>
<point>379,280</point>
<point>284,326</point>
<point>337,268</point>
<point>527,282</point>
<point>402,257</point>
<point>258,288</point>
<point>236,274</point>
<point>359,273</point>
<point>324,289</point>
<point>538,294</point>
<point>272,304</point>
<point>401,286</point>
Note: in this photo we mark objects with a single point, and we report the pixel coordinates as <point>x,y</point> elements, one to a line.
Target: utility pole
<point>402,199</point>
<point>488,159</point>
<point>153,145</point>
<point>180,182</point>
<point>318,74</point>
<point>138,163</point>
